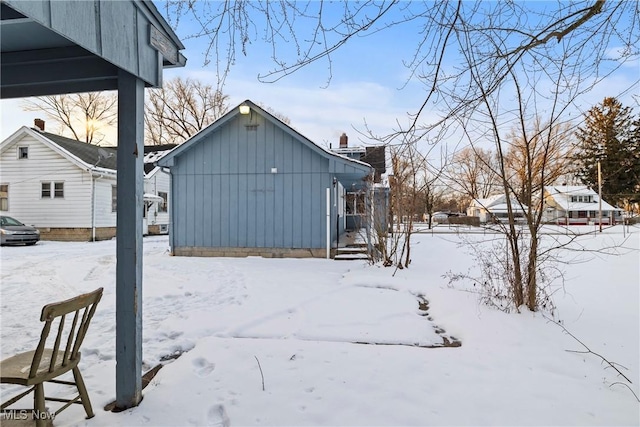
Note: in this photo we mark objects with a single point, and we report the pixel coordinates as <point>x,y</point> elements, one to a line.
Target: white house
<point>577,205</point>
<point>494,208</point>
<point>157,189</point>
<point>67,188</point>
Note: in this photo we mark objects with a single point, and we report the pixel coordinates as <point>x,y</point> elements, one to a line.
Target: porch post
<point>129,241</point>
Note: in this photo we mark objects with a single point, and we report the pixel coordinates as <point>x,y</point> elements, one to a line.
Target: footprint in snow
<point>217,416</point>
<point>202,367</point>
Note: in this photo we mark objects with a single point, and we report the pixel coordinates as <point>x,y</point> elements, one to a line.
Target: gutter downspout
<point>93,203</point>
<point>170,207</point>
<point>93,207</point>
<point>328,225</point>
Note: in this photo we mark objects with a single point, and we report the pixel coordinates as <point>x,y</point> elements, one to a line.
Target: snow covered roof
<point>497,203</point>
<point>562,194</point>
<point>153,153</point>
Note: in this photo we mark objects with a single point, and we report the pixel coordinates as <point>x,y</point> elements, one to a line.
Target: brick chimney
<point>39,123</point>
<point>344,140</point>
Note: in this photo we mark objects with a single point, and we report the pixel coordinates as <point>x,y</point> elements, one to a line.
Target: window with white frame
<point>162,206</point>
<point>4,197</point>
<point>45,192</point>
<point>23,152</point>
<point>114,198</point>
<point>355,203</point>
<point>581,199</point>
<point>58,190</point>
<point>52,190</point>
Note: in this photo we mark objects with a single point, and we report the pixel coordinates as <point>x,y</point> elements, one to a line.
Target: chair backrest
<point>68,337</point>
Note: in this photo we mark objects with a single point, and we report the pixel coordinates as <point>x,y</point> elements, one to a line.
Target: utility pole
<point>599,196</point>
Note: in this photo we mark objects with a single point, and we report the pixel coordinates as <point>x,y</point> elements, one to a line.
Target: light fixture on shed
<point>244,109</point>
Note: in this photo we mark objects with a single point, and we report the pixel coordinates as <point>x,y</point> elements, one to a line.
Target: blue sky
<point>369,83</point>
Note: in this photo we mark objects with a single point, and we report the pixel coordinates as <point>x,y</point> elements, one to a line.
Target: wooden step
<point>349,253</point>
<point>351,257</point>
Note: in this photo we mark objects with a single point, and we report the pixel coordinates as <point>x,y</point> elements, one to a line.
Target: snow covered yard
<point>300,320</point>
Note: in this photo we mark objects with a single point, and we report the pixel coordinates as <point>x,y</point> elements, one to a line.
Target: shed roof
<point>338,160</point>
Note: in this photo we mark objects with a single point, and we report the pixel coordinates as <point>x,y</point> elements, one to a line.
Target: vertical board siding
<point>227,195</point>
<point>119,39</point>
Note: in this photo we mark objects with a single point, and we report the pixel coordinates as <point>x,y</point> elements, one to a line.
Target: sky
<point>318,342</point>
<point>369,84</point>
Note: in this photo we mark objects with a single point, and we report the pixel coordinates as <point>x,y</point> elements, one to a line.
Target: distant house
<point>494,209</point>
<point>577,205</point>
<point>157,190</point>
<point>356,208</point>
<point>67,188</point>
<point>249,184</point>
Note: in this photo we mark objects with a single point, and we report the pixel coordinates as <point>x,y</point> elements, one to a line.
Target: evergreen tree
<point>612,136</point>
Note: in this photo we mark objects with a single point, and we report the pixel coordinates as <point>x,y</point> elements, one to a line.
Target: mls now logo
<point>25,414</point>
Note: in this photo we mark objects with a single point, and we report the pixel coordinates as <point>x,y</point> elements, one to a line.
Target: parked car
<point>14,232</point>
<point>440,217</point>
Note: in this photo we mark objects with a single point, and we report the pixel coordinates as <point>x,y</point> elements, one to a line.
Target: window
<point>58,190</point>
<point>114,198</point>
<point>52,190</point>
<point>581,199</point>
<point>162,206</point>
<point>46,190</point>
<point>23,152</point>
<point>355,204</point>
<point>4,197</point>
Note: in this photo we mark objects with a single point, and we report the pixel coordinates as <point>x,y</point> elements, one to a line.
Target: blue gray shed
<point>251,185</point>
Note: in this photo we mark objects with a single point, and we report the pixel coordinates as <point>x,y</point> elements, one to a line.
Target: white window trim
<point>19,152</point>
<point>52,189</point>
<point>7,197</point>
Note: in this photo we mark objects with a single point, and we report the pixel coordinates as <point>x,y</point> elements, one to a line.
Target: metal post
<point>328,223</point>
<point>599,196</point>
<point>129,241</point>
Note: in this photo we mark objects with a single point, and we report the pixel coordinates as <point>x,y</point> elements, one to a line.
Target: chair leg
<point>84,396</point>
<point>40,411</point>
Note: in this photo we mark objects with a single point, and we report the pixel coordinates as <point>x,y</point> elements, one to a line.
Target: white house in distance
<point>577,205</point>
<point>67,188</point>
<point>494,208</point>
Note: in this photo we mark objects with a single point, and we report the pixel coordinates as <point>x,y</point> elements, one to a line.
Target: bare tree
<point>313,31</point>
<point>415,191</point>
<point>548,147</point>
<point>472,172</point>
<point>283,118</point>
<point>533,149</point>
<point>83,116</point>
<point>180,109</point>
<point>406,163</point>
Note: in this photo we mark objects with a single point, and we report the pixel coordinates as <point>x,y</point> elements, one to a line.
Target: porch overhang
<point>51,47</point>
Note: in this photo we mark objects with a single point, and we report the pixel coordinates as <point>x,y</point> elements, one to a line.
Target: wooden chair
<point>47,362</point>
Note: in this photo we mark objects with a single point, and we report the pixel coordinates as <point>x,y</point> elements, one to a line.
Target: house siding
<point>105,217</point>
<point>158,181</point>
<point>225,195</point>
<point>25,176</point>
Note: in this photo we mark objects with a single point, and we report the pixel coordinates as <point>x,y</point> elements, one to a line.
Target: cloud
<point>323,114</point>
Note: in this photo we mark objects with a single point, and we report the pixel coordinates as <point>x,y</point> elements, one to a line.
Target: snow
<point>299,321</point>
